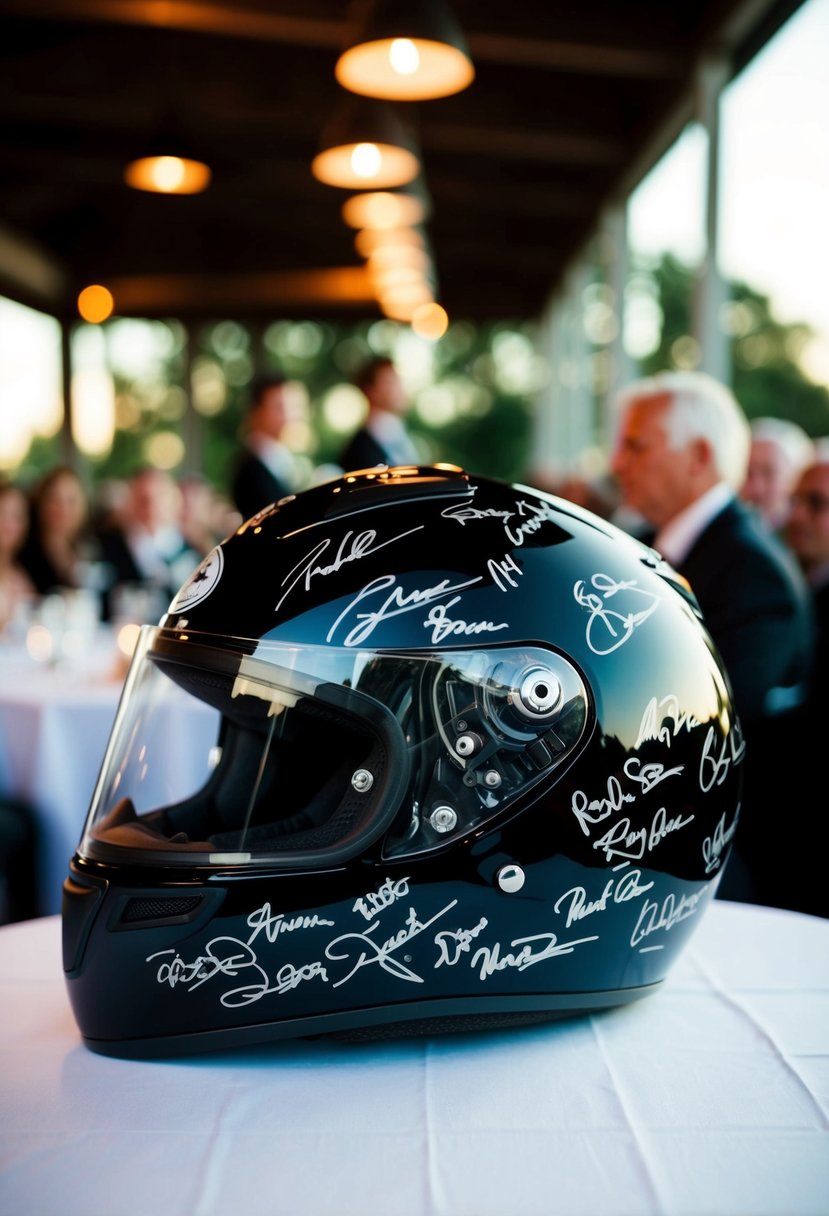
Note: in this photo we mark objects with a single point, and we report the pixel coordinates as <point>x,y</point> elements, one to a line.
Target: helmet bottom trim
<point>417,1018</point>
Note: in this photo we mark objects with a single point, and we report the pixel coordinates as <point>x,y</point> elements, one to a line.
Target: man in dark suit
<point>807,532</point>
<point>382,439</point>
<point>265,468</point>
<point>680,459</point>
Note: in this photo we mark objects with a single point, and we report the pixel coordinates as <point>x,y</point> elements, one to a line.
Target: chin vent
<point>453,1024</point>
<point>160,908</point>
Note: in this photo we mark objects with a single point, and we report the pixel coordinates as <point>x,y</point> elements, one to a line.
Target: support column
<point>710,291</point>
<point>192,430</point>
<point>617,265</point>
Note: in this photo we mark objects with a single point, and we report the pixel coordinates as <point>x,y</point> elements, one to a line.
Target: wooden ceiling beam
<point>238,21</point>
<point>150,295</point>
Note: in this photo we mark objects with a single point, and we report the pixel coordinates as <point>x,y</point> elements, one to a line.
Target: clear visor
<point>229,751</point>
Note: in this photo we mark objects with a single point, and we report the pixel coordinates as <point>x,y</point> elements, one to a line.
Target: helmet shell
<point>576,894</point>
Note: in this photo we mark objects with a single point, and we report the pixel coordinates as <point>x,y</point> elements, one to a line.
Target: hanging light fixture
<point>369,239</point>
<point>166,174</point>
<point>168,164</point>
<point>404,207</point>
<point>366,144</point>
<point>411,51</point>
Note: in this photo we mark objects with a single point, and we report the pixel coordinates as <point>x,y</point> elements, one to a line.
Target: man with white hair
<point>680,459</point>
<point>780,451</point>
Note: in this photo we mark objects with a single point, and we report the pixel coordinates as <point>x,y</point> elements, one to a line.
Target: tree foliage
<point>767,378</point>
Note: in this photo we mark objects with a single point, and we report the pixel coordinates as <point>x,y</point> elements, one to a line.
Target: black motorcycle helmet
<point>450,754</point>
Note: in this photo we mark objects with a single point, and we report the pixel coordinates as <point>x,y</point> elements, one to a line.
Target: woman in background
<point>57,545</point>
<point>15,585</point>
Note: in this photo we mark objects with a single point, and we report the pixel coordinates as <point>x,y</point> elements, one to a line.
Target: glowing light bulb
<point>95,303</point>
<point>404,56</point>
<point>168,173</point>
<point>430,321</point>
<point>366,160</point>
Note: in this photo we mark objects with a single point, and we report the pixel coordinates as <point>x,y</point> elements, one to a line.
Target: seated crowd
<point>742,512</point>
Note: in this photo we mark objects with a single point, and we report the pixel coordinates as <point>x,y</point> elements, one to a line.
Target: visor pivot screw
<point>492,779</point>
<point>510,879</point>
<point>467,745</point>
<point>443,818</point>
<point>362,780</point>
<point>539,694</point>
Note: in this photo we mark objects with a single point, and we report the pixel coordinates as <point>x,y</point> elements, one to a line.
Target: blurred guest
<point>265,469</point>
<point>58,546</point>
<point>16,587</point>
<point>807,529</point>
<point>19,847</point>
<point>382,439</point>
<point>680,458</point>
<point>109,503</point>
<point>807,532</point>
<point>779,451</point>
<point>198,513</point>
<point>146,548</point>
<point>598,494</point>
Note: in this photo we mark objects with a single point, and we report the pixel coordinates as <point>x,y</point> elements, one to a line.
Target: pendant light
<point>404,207</point>
<point>366,145</point>
<point>167,164</point>
<point>404,51</point>
<point>168,174</point>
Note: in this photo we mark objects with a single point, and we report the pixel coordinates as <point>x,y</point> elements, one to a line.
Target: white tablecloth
<point>710,1098</point>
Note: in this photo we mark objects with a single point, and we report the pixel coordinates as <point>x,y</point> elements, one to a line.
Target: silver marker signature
<point>619,890</point>
<point>396,602</point>
<point>632,843</point>
<point>490,959</point>
<point>362,950</point>
<point>443,626</point>
<point>655,916</point>
<point>351,548</point>
<point>613,628</point>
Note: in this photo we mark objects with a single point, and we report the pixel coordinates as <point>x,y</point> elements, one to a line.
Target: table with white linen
<point>54,727</point>
<point>708,1098</point>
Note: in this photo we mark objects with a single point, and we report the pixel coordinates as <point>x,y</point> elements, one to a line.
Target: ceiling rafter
<point>567,106</point>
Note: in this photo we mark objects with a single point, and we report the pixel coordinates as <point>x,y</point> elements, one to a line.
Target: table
<point>54,727</point>
<point>709,1098</point>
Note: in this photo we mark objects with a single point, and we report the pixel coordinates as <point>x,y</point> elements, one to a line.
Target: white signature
<point>361,950</point>
<point>274,923</point>
<point>589,811</point>
<point>228,956</point>
<point>350,549</point>
<point>619,890</point>
<point>536,513</point>
<point>442,626</point>
<point>632,843</point>
<point>452,943</point>
<point>717,761</point>
<point>607,629</point>
<point>593,810</point>
<point>654,725</point>
<point>670,912</point>
<point>386,894</point>
<point>713,846</point>
<point>465,514</point>
<point>504,571</point>
<point>395,603</point>
<point>531,516</point>
<point>527,952</point>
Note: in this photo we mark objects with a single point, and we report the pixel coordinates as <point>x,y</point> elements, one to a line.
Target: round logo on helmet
<point>201,582</point>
